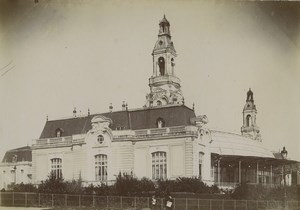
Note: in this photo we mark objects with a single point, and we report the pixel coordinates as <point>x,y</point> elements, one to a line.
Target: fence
<point>134,203</point>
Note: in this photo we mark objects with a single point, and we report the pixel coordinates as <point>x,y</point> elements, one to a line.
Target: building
<point>16,167</point>
<point>165,139</point>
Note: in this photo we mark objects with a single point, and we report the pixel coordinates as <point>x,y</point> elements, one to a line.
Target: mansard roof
<point>18,155</point>
<point>145,118</point>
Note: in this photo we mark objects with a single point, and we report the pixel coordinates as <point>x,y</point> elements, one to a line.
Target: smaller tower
<point>249,128</point>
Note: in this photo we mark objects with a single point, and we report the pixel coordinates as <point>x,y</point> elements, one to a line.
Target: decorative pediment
<point>100,134</point>
<point>100,123</point>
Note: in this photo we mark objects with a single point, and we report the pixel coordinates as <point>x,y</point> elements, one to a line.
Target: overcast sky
<point>57,55</point>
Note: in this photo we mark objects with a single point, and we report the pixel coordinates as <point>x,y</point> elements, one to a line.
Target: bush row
<point>260,192</point>
<point>129,185</point>
<point>125,185</point>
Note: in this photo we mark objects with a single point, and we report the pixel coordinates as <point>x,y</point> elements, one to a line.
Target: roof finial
<point>123,105</point>
<point>74,112</point>
<point>89,112</point>
<point>193,106</point>
<point>110,107</point>
<point>47,118</point>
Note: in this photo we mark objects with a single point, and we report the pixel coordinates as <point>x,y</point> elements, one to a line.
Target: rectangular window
<point>159,165</point>
<point>56,167</point>
<point>101,167</point>
<point>200,164</point>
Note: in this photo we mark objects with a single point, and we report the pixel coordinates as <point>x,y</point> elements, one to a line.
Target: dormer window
<point>158,103</point>
<point>58,132</point>
<point>100,139</point>
<point>160,123</point>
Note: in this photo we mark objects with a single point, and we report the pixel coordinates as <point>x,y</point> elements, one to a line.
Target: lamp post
<point>284,156</point>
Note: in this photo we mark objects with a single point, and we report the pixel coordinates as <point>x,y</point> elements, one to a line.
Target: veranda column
<point>240,171</point>
<point>219,178</point>
<point>271,171</point>
<point>257,179</point>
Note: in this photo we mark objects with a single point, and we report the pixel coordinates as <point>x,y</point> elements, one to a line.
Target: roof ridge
<point>128,110</point>
<point>19,149</point>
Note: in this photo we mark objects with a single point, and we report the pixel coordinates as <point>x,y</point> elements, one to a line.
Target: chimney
<point>110,107</point>
<point>74,112</point>
<point>123,106</point>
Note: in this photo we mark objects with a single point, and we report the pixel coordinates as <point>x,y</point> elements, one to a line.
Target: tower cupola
<point>164,27</point>
<point>164,85</point>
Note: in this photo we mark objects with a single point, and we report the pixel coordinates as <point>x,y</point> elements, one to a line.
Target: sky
<point>57,55</point>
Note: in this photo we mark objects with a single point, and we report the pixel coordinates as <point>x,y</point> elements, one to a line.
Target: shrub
<point>22,187</point>
<point>127,184</point>
<point>52,184</point>
<point>184,184</point>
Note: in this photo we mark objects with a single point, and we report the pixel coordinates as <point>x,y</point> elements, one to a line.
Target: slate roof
<point>178,115</point>
<point>21,154</point>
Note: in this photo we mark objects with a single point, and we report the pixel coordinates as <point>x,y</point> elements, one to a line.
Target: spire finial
<point>89,111</point>
<point>47,118</point>
<point>74,112</point>
<point>110,107</point>
<point>123,106</point>
<point>250,95</point>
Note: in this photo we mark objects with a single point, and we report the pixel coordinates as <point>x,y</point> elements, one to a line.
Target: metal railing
<point>22,199</point>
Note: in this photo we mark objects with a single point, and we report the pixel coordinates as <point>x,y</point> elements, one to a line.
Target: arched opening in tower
<point>248,120</point>
<point>161,64</point>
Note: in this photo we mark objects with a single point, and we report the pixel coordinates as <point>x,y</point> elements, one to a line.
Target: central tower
<point>164,85</point>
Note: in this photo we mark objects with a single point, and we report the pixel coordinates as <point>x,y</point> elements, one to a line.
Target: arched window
<point>172,64</point>
<point>58,132</point>
<point>160,123</point>
<point>100,139</point>
<point>248,120</point>
<point>201,154</point>
<point>56,167</point>
<point>101,167</point>
<point>159,165</point>
<point>161,64</point>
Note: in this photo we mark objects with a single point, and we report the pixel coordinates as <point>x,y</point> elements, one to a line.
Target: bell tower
<point>164,85</point>
<point>249,128</point>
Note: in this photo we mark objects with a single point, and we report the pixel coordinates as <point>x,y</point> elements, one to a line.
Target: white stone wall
<point>179,157</point>
<point>19,172</point>
<point>126,154</point>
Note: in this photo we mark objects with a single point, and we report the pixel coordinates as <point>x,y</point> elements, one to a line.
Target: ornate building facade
<point>163,140</point>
